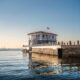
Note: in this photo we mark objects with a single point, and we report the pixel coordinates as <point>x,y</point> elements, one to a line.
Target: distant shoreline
<point>2,49</point>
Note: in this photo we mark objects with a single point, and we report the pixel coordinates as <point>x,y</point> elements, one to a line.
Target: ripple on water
<point>14,67</point>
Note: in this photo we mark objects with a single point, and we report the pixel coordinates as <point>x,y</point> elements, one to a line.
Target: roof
<point>41,32</point>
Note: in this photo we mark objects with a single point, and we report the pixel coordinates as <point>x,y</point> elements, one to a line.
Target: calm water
<point>15,65</point>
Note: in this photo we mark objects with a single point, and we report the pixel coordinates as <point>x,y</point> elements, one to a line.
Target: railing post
<point>77,42</point>
<point>70,43</point>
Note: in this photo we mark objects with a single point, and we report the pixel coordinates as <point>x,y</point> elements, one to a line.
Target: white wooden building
<point>42,37</point>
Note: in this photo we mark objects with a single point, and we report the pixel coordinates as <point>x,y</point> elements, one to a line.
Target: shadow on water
<point>51,67</point>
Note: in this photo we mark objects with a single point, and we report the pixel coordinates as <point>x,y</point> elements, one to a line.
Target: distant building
<point>42,37</point>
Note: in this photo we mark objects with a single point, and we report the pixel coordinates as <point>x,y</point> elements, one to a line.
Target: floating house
<point>43,42</point>
<point>42,38</point>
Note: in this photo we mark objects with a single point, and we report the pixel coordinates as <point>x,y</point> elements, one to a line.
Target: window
<point>43,35</point>
<point>52,36</point>
<point>37,36</point>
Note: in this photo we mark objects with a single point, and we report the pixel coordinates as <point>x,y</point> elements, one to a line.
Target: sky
<point>19,17</point>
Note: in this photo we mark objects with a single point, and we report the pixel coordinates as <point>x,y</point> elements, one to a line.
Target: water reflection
<point>49,65</point>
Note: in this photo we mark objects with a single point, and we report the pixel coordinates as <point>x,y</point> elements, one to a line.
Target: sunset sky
<point>19,17</point>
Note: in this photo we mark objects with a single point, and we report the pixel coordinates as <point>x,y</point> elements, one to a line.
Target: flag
<point>48,28</point>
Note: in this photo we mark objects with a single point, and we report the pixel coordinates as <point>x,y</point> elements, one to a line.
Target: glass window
<point>52,36</point>
<point>43,35</point>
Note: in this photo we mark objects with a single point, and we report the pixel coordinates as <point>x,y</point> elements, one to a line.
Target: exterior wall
<point>43,38</point>
<point>50,50</point>
<point>71,54</point>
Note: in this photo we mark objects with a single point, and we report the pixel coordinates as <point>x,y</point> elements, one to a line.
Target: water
<point>15,65</point>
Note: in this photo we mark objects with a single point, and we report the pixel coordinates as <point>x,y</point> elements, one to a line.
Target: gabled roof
<point>41,32</point>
